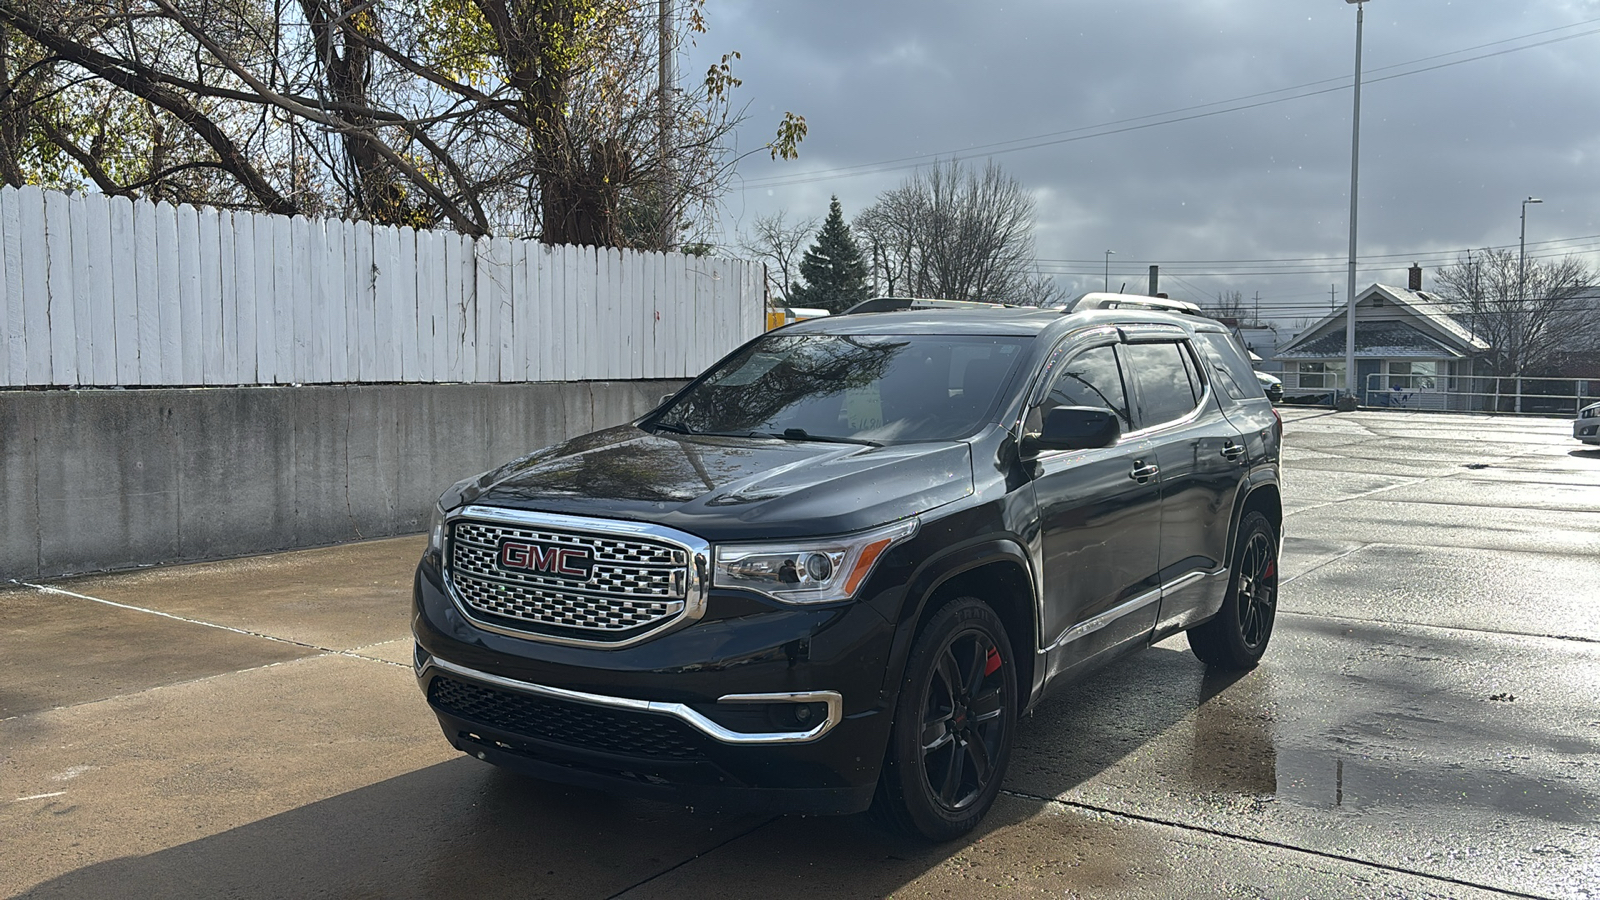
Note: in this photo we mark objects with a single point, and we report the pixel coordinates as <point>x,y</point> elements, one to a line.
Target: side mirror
<point>1074,428</point>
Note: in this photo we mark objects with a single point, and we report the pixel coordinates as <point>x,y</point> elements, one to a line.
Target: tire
<point>1237,636</point>
<point>955,721</point>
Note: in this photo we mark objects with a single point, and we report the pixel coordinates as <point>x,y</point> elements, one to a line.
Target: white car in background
<point>1586,427</point>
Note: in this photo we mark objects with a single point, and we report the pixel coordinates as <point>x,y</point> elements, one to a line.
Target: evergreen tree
<point>834,272</point>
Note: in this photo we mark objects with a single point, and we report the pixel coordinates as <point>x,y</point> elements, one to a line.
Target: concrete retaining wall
<point>108,479</point>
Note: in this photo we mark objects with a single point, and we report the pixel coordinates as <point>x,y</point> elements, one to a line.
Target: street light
<point>1355,169</point>
<point>1522,278</point>
<point>1522,247</point>
<point>1109,254</point>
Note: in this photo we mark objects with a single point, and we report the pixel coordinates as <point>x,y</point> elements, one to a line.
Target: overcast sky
<point>1250,199</point>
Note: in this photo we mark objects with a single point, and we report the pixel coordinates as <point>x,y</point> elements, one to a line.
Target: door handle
<point>1142,473</point>
<point>1232,451</point>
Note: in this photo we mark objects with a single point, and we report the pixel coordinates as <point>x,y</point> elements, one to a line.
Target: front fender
<point>937,571</point>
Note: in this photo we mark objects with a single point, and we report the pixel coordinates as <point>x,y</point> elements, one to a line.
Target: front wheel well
<point>1005,587</point>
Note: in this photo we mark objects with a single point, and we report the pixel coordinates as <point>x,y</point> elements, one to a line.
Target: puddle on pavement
<point>1247,744</point>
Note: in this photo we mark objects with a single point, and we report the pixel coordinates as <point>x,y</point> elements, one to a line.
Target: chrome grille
<point>636,584</point>
<point>564,609</point>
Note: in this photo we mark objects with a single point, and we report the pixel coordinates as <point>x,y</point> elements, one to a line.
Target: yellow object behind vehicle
<point>779,316</point>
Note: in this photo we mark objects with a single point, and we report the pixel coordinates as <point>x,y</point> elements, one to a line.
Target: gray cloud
<point>1446,155</point>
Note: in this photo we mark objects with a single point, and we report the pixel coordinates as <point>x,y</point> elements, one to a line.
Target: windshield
<point>858,388</point>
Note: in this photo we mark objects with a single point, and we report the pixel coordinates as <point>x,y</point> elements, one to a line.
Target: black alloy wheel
<point>1237,637</point>
<point>954,725</point>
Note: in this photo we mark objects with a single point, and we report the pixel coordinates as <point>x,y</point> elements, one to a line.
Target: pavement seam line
<point>156,687</point>
<point>1431,627</point>
<point>1264,842</point>
<point>709,850</point>
<point>1536,509</point>
<point>1362,496</point>
<point>1324,563</point>
<point>177,618</point>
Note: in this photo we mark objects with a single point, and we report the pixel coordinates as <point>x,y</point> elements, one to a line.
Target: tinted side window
<point>1197,380</point>
<point>1092,378</point>
<point>1164,389</point>
<point>1229,366</point>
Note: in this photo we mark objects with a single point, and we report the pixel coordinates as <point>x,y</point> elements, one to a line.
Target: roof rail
<point>895,304</point>
<point>1103,300</point>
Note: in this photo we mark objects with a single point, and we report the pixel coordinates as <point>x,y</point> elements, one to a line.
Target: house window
<point>1407,375</point>
<point>1323,375</point>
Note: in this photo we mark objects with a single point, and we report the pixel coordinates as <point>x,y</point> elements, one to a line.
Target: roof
<point>1374,339</point>
<point>994,320</point>
<point>990,319</point>
<point>893,304</point>
<point>1428,308</point>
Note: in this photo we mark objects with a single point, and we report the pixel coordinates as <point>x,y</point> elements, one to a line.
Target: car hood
<point>723,488</point>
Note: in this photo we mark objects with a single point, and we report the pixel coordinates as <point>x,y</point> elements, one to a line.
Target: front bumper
<point>1587,429</point>
<point>775,707</point>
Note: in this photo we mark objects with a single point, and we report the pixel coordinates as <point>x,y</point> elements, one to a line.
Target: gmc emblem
<point>545,559</point>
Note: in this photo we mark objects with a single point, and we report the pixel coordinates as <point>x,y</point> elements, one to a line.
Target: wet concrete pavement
<point>1426,724</point>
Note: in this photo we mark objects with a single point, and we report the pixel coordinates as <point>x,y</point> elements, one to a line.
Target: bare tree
<point>956,233</point>
<point>1229,305</point>
<point>779,244</point>
<point>1532,317</point>
<point>527,117</point>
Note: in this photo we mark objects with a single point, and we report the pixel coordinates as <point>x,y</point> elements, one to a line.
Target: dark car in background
<point>832,572</point>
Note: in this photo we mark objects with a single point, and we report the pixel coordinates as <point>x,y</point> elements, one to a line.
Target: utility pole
<point>1355,169</point>
<point>1258,308</point>
<point>1522,278</point>
<point>666,81</point>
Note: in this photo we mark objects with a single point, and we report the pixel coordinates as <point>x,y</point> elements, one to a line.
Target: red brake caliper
<point>992,664</point>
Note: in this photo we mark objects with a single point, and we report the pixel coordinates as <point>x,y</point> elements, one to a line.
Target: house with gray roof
<point>1408,350</point>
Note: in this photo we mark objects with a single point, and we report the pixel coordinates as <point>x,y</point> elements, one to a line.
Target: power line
<point>1593,238</point>
<point>1556,248</point>
<point>1106,129</point>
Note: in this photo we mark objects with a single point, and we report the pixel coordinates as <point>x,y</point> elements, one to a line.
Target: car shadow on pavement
<point>458,828</point>
<point>1074,737</point>
<point>465,828</point>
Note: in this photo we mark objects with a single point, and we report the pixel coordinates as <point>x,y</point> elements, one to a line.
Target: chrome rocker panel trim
<point>1090,626</point>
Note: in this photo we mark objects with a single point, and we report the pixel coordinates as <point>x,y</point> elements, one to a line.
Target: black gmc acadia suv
<point>831,572</point>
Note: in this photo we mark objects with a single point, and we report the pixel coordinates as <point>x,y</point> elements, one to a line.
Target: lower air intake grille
<point>561,722</point>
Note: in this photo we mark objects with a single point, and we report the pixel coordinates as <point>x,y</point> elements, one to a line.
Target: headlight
<point>436,532</point>
<point>822,571</point>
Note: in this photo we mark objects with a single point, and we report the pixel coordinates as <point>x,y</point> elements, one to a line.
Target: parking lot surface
<point>1426,724</point>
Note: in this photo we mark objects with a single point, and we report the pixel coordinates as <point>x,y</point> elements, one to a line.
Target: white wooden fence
<point>106,291</point>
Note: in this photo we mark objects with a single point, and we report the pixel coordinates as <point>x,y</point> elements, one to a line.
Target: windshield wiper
<point>800,434</point>
<point>675,429</point>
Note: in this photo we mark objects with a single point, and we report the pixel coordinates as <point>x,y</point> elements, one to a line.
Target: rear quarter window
<point>1230,370</point>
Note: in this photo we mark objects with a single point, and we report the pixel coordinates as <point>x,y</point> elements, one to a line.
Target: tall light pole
<point>1355,171</point>
<point>1522,248</point>
<point>1109,254</point>
<point>1522,279</point>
